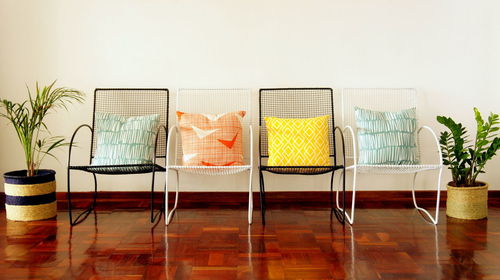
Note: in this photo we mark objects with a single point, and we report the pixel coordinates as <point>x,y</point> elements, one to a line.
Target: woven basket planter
<point>470,203</point>
<point>30,198</point>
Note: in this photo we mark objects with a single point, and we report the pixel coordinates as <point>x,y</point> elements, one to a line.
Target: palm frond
<point>28,117</point>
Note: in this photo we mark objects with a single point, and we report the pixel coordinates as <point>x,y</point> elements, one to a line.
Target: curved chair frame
<point>127,169</point>
<point>406,96</point>
<point>301,111</point>
<point>174,145</point>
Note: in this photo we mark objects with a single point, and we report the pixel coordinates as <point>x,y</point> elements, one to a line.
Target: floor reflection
<point>219,244</point>
<point>393,250</point>
<point>31,244</point>
<point>103,247</point>
<point>463,239</point>
<point>86,265</point>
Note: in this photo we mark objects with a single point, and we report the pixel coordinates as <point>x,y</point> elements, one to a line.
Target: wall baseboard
<point>320,199</point>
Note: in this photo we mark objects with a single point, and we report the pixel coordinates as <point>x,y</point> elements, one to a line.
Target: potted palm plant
<point>30,193</point>
<point>468,197</point>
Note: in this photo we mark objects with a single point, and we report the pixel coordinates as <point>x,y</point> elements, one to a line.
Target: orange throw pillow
<point>211,140</point>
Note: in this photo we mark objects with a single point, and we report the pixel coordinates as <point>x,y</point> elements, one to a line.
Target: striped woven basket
<point>30,198</point>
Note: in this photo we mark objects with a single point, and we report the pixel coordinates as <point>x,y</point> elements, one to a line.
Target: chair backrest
<point>130,102</point>
<point>216,101</point>
<point>295,103</point>
<point>377,99</point>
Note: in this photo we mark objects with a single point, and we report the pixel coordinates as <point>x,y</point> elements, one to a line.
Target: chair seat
<point>302,170</point>
<point>211,170</point>
<point>120,169</point>
<point>395,169</point>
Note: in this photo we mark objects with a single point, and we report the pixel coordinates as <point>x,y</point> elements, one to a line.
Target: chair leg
<point>170,214</point>
<point>164,191</point>
<point>438,197</point>
<point>332,207</point>
<point>95,191</point>
<point>82,216</point>
<point>153,216</point>
<point>166,196</point>
<point>68,184</point>
<point>151,204</point>
<point>348,217</point>
<point>339,214</point>
<point>331,191</point>
<point>250,197</point>
<point>262,193</point>
<point>343,195</point>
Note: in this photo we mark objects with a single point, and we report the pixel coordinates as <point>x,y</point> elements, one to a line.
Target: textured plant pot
<point>30,198</point>
<point>469,203</point>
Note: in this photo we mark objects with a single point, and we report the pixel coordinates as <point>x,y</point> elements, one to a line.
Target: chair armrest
<point>156,142</point>
<point>172,133</point>
<point>250,131</point>
<point>259,161</point>
<point>438,147</point>
<point>339,130</point>
<point>351,132</point>
<point>73,139</point>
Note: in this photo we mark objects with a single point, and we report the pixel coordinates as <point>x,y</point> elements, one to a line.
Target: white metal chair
<point>384,99</point>
<point>210,101</point>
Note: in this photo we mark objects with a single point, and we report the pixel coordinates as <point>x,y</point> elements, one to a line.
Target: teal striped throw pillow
<point>387,138</point>
<point>123,140</point>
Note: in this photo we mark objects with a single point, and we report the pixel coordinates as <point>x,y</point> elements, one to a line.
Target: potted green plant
<point>467,197</point>
<point>30,193</point>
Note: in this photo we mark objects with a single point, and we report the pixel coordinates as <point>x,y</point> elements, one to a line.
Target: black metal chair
<point>299,103</point>
<point>126,102</point>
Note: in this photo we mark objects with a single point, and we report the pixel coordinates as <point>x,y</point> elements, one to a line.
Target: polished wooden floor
<point>218,244</point>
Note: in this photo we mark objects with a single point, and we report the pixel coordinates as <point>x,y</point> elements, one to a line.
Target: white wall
<point>448,49</point>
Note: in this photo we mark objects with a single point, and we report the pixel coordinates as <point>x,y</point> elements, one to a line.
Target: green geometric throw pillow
<point>123,140</point>
<point>387,138</point>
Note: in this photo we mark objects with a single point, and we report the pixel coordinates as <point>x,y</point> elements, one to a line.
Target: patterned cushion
<point>211,140</point>
<point>298,142</point>
<point>123,140</point>
<point>387,137</point>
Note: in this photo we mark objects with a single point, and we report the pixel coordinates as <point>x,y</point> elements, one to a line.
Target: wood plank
<point>217,243</point>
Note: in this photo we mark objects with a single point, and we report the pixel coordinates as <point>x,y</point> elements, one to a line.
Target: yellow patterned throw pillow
<point>298,142</point>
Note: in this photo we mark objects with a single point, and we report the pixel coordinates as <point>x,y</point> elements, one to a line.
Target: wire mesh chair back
<point>128,102</point>
<point>295,103</point>
<point>377,99</point>
<point>216,101</point>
